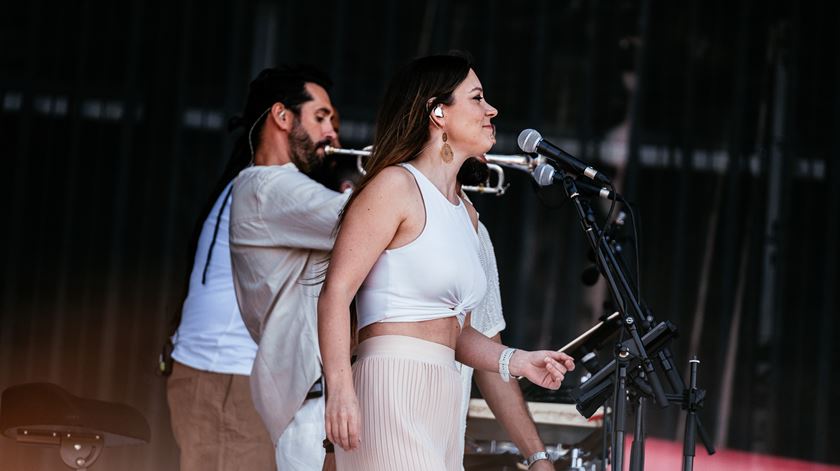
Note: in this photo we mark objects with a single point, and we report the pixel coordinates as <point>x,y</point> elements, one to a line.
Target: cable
<point>637,251</point>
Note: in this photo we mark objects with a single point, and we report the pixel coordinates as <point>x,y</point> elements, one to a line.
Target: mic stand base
<point>637,452</point>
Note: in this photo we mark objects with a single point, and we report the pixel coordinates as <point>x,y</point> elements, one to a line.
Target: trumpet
<point>495,162</point>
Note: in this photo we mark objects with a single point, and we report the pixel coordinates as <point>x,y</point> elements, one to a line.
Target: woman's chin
<point>478,150</point>
<point>486,148</point>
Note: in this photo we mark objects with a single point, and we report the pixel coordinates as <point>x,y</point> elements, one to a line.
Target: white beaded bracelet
<point>504,363</point>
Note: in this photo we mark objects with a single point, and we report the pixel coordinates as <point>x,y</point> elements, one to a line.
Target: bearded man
<point>281,231</point>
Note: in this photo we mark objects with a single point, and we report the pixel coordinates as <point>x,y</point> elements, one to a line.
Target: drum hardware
<point>45,414</point>
<point>569,437</point>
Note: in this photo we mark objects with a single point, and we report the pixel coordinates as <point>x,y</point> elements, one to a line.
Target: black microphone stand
<point>628,305</point>
<point>637,452</point>
<point>693,397</point>
<point>622,355</point>
<point>645,383</point>
<point>689,397</point>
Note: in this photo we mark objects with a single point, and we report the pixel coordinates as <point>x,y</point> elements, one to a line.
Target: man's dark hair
<point>473,172</point>
<point>283,84</point>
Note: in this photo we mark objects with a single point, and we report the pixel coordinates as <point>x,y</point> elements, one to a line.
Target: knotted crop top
<point>437,275</point>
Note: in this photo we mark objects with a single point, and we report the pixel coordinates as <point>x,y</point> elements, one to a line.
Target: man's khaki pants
<point>215,423</point>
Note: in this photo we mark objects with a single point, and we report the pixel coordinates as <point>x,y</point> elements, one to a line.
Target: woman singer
<point>407,248</point>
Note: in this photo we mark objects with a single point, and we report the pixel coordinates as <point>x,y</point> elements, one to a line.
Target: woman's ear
<point>436,116</point>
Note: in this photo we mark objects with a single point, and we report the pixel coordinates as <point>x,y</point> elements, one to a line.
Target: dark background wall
<point>112,123</point>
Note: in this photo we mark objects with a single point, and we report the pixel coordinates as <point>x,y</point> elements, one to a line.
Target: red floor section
<point>662,455</point>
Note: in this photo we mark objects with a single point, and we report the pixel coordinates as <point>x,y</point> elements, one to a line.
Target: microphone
<point>531,141</point>
<point>545,175</point>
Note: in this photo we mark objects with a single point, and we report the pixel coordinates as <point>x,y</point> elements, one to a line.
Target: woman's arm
<point>509,407</point>
<point>371,225</point>
<point>544,368</point>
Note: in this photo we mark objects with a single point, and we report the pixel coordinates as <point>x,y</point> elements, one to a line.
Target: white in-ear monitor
<point>438,112</point>
<point>282,114</point>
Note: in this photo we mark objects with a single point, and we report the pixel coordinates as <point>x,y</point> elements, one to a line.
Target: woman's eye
<point>478,98</point>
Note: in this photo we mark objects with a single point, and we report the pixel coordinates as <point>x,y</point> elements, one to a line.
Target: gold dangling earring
<point>445,150</point>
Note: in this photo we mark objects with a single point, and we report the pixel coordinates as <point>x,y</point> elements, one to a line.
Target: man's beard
<point>304,151</point>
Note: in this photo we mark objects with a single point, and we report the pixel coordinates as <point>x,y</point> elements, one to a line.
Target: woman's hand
<point>342,419</point>
<point>545,368</point>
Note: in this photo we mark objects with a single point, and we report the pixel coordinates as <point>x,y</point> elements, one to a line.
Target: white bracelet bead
<point>504,363</point>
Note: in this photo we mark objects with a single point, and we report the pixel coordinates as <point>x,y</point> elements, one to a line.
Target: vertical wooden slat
<point>15,259</point>
<point>115,306</point>
<point>527,238</point>
<point>731,216</point>
<point>174,174</point>
<point>826,337</point>
<point>637,100</point>
<point>58,344</point>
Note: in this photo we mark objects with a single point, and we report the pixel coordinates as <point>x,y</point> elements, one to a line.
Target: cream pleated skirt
<point>409,393</point>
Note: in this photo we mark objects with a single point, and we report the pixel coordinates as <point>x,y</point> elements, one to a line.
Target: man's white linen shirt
<point>281,231</point>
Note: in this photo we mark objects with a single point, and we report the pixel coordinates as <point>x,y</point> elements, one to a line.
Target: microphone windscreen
<point>544,174</point>
<point>528,140</point>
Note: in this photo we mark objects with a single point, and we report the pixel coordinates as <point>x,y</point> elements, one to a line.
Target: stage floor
<point>663,455</point>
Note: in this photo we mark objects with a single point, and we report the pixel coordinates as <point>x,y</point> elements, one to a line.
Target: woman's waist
<point>443,331</point>
<point>406,347</point>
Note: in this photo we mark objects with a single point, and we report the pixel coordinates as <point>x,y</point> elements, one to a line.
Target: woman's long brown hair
<point>402,123</point>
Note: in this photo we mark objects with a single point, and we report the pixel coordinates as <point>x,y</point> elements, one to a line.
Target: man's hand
<point>329,463</point>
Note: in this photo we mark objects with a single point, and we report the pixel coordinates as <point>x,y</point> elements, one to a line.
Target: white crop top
<point>437,275</point>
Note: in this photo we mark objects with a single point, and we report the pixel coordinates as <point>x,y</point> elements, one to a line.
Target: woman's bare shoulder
<point>391,195</point>
<point>393,182</point>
